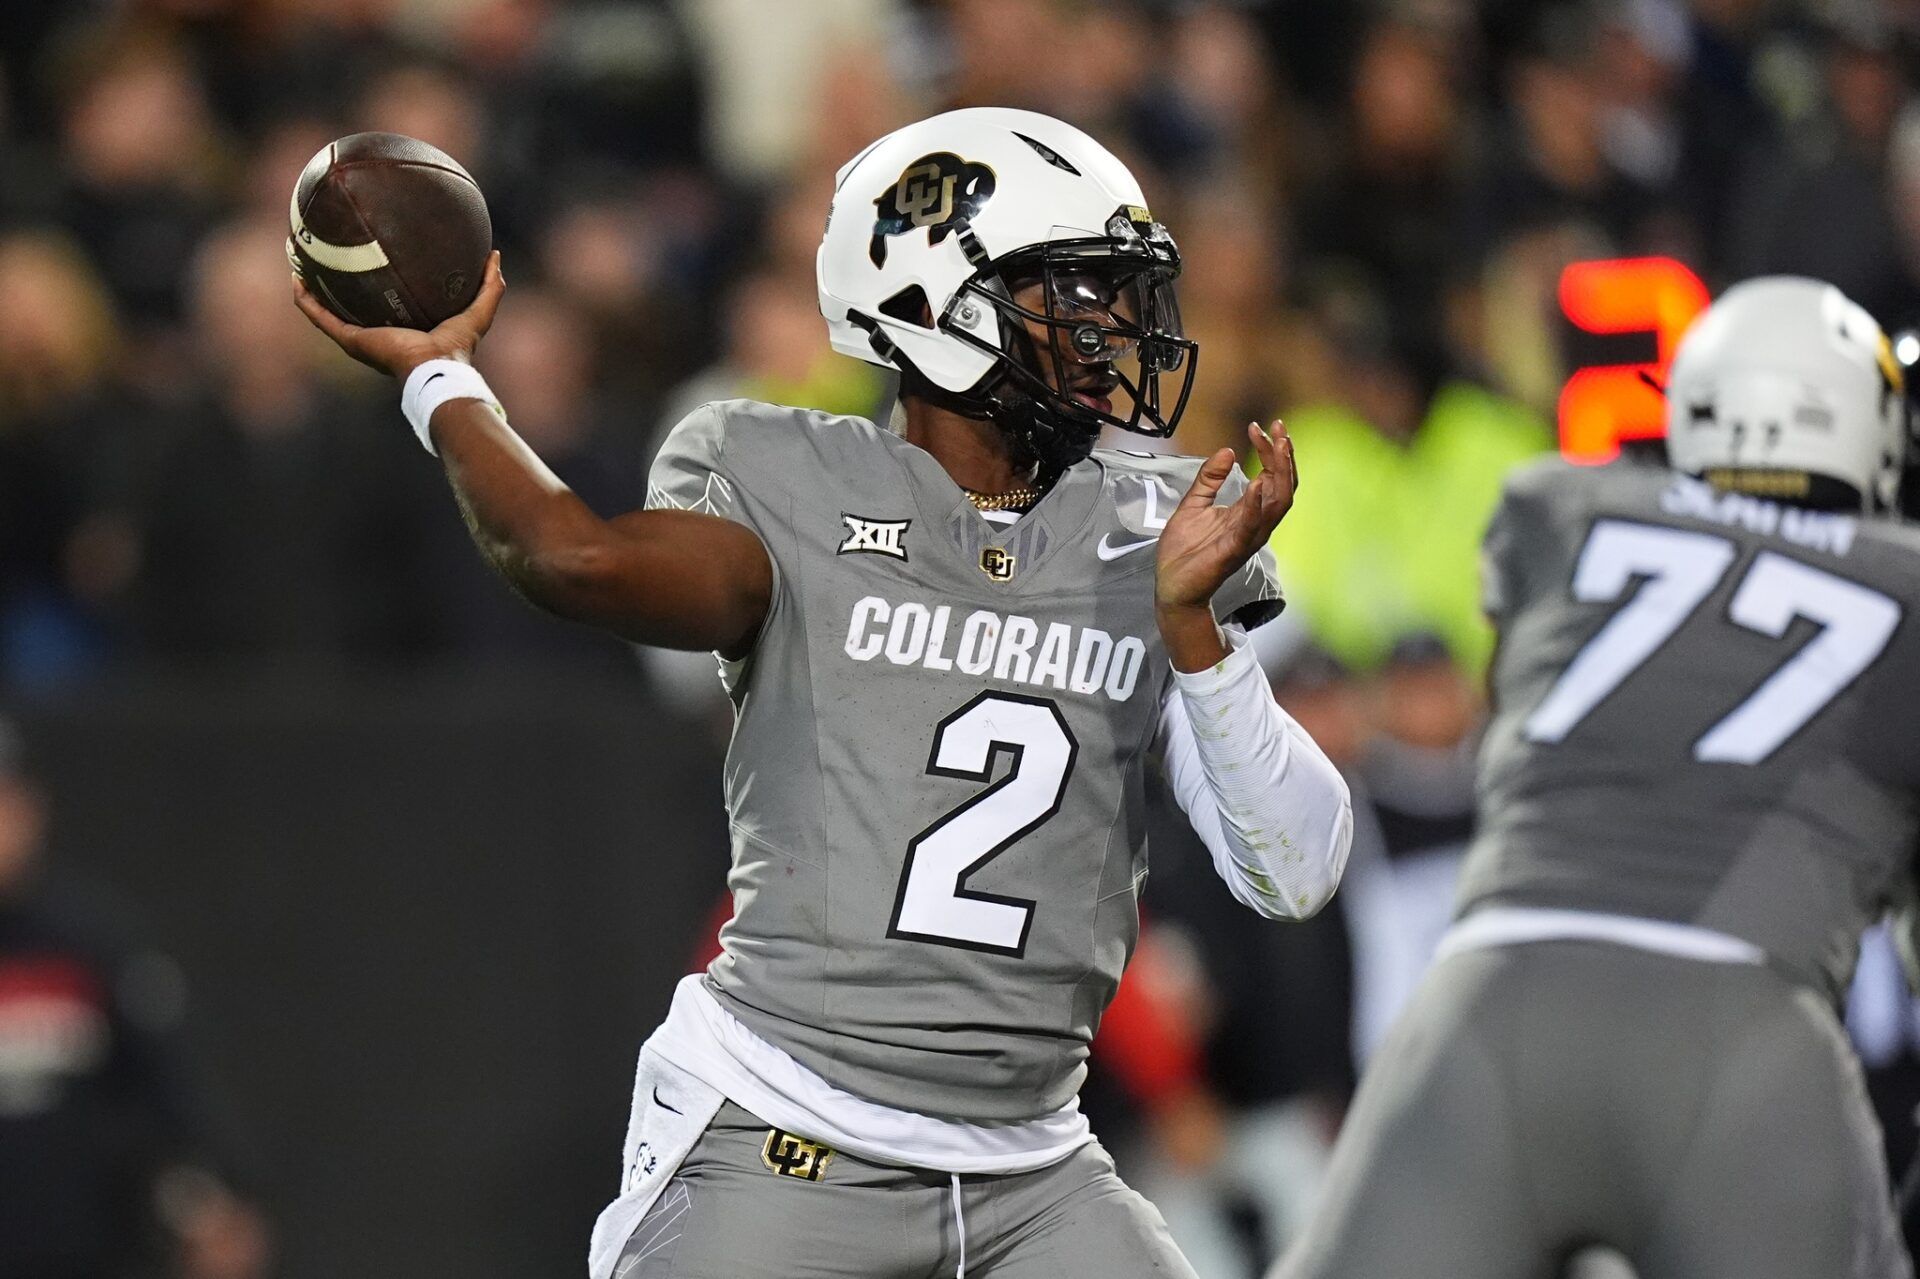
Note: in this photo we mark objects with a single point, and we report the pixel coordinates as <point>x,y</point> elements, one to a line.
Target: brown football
<point>386,229</point>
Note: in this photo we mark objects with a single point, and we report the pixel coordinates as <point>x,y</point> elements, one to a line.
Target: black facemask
<point>1106,324</point>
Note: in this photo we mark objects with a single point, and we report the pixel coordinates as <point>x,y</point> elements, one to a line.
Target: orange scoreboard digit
<point>1603,405</point>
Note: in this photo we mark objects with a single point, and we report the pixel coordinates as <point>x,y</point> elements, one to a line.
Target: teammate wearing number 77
<point>1698,789</point>
<point>952,646</point>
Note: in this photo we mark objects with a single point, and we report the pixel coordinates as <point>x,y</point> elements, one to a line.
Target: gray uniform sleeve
<point>1497,593</point>
<point>1516,551</point>
<point>1252,596</point>
<point>690,473</point>
<point>1883,744</point>
<point>1885,748</point>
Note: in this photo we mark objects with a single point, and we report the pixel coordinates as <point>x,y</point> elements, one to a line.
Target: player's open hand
<point>1203,545</point>
<point>399,351</point>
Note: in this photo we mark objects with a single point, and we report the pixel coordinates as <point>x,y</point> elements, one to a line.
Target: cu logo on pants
<point>786,1155</point>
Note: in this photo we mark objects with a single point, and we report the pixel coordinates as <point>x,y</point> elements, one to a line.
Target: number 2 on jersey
<point>1678,570</point>
<point>933,903</point>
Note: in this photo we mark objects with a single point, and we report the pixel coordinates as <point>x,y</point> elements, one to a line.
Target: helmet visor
<point>1093,329</point>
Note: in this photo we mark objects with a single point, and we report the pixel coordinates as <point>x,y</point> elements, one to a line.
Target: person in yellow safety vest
<point>1384,537</point>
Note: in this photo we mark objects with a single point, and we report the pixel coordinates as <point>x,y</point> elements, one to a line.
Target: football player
<point>952,646</point>
<point>1698,788</point>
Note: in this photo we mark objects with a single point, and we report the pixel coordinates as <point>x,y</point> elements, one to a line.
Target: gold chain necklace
<point>1012,500</point>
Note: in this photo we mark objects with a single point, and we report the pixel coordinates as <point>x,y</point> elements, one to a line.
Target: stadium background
<point>428,864</point>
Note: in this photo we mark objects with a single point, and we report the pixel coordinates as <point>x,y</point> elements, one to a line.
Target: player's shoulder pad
<point>1542,477</point>
<point>1174,467</point>
<point>777,425</point>
<point>1145,487</point>
<point>1550,489</point>
<point>1898,536</point>
<point>776,438</point>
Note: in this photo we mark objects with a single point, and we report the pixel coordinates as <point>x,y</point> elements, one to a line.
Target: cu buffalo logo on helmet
<point>937,191</point>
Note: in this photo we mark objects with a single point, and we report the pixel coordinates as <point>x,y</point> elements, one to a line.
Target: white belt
<point>1514,925</point>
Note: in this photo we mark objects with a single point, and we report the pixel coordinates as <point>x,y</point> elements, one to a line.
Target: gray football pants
<point>1709,1121</point>
<point>727,1215</point>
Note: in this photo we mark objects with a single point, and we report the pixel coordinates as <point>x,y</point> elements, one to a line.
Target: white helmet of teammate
<point>1786,388</point>
<point>938,226</point>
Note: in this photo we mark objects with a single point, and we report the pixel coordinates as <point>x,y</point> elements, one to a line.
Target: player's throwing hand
<point>1203,544</point>
<point>398,351</point>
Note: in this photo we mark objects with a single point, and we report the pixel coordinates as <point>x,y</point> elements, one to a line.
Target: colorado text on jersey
<point>913,634</point>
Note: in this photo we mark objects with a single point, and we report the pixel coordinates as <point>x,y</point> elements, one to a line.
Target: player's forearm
<point>526,522</point>
<point>1192,637</point>
<point>1272,809</point>
<point>673,579</point>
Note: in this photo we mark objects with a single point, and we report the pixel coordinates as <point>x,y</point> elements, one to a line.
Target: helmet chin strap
<point>1038,439</point>
<point>1041,442</point>
<point>1041,436</point>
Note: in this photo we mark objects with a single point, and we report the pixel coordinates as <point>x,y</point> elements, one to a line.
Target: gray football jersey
<point>1693,694</point>
<point>935,782</point>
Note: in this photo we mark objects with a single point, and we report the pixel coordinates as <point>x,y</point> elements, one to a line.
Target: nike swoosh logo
<point>663,1105</point>
<point>1108,551</point>
<point>429,381</point>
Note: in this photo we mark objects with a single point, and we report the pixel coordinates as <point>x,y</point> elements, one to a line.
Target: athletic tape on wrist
<point>433,384</point>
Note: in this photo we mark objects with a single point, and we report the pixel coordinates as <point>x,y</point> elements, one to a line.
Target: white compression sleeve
<point>1269,805</point>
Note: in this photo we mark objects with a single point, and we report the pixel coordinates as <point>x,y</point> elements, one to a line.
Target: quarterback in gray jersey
<point>1690,811</point>
<point>953,643</point>
<point>913,938</point>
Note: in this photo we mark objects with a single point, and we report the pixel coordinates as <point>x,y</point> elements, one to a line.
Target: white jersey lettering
<point>1016,649</point>
<point>1815,530</point>
<point>1019,650</point>
<point>907,637</point>
<point>1050,668</point>
<point>869,612</point>
<point>937,659</point>
<point>1090,663</point>
<point>1129,655</point>
<point>977,641</point>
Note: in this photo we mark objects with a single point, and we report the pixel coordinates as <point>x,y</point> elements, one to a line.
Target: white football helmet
<point>1786,388</point>
<point>938,226</point>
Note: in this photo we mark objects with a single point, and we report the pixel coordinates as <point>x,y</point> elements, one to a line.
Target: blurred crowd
<point>1375,200</point>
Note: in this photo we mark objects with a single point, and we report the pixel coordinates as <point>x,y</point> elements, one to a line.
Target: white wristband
<point>433,384</point>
